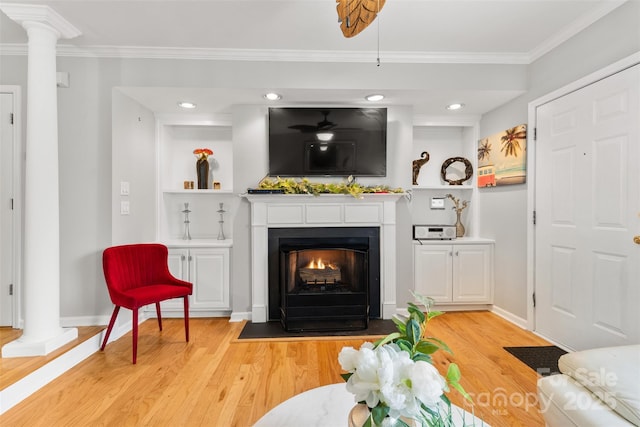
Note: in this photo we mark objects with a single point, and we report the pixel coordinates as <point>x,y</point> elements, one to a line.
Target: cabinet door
<point>472,273</point>
<point>432,271</point>
<point>209,273</point>
<point>177,261</point>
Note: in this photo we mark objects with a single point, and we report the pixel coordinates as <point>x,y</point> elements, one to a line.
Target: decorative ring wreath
<point>468,170</point>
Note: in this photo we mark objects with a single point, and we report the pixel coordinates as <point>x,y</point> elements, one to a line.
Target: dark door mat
<point>542,359</point>
<point>275,330</point>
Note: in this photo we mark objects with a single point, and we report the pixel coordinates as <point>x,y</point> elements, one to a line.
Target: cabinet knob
<point>636,240</point>
<point>189,257</point>
<point>456,253</point>
<point>182,257</point>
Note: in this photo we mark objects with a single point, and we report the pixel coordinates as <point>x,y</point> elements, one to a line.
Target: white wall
<point>134,161</point>
<point>85,137</point>
<point>503,214</point>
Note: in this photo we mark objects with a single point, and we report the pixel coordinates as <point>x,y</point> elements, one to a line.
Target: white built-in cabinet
<point>204,259</point>
<point>208,269</point>
<point>454,272</point>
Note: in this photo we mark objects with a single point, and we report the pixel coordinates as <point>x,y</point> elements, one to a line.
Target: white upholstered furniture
<point>598,387</point>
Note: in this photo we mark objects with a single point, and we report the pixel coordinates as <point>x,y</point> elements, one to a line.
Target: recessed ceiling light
<point>456,106</point>
<point>374,97</point>
<point>272,96</point>
<point>186,104</point>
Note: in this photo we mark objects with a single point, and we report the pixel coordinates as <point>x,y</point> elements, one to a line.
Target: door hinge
<point>534,299</point>
<point>535,134</point>
<point>11,118</point>
<point>534,217</point>
<point>11,289</point>
<point>11,203</point>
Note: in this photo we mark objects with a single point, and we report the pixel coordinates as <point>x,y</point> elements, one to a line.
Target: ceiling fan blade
<point>356,15</point>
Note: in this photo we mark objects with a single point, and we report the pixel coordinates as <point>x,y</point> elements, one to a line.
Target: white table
<point>329,406</point>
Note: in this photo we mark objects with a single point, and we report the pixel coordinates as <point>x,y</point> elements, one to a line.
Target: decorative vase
<point>359,414</point>
<point>459,227</point>
<point>202,168</point>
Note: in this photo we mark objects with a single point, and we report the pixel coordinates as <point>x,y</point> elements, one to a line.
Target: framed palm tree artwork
<point>502,158</point>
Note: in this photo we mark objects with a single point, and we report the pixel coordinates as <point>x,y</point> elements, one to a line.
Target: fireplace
<point>324,278</point>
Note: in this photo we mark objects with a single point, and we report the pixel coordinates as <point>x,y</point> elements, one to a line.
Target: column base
<point>18,348</point>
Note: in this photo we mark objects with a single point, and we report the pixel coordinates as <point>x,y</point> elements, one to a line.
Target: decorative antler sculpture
<point>417,164</point>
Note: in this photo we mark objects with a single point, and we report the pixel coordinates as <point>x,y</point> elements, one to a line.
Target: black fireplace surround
<point>306,294</point>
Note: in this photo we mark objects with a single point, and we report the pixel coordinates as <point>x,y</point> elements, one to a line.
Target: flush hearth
<point>324,278</point>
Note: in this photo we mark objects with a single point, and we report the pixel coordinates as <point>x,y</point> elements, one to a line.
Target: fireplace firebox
<point>324,278</point>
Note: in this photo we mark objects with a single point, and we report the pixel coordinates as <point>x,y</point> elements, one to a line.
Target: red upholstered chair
<point>138,275</point>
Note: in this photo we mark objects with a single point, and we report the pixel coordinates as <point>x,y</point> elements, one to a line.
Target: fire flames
<point>319,264</point>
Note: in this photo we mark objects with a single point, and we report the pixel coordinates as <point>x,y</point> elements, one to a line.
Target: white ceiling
<point>407,31</point>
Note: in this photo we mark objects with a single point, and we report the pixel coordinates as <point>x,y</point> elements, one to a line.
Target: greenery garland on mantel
<point>304,186</point>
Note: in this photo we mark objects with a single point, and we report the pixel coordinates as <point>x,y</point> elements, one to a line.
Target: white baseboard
<point>239,316</point>
<point>516,320</point>
<point>74,321</point>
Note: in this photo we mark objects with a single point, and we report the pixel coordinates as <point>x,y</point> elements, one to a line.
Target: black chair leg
<point>110,327</point>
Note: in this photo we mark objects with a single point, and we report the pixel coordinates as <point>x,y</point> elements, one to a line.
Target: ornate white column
<point>42,330</point>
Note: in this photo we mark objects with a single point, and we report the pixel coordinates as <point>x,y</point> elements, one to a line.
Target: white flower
<point>387,374</point>
<point>427,384</point>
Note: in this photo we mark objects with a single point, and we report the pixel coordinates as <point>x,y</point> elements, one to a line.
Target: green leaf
<point>368,422</point>
<point>416,313</point>
<point>405,345</point>
<point>427,347</point>
<point>413,331</point>
<point>421,356</point>
<point>400,324</point>
<point>440,343</point>
<point>387,339</point>
<point>453,373</point>
<point>379,413</point>
<point>346,376</point>
<point>433,314</point>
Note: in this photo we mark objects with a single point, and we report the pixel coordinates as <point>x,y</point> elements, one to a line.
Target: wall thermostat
<point>437,203</point>
<point>434,232</point>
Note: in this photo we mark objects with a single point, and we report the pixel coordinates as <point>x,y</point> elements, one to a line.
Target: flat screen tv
<point>327,141</point>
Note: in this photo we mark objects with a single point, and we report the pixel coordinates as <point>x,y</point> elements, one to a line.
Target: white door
<point>587,198</point>
<point>6,208</point>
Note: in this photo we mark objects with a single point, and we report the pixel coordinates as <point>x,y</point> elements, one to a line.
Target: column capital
<point>22,13</point>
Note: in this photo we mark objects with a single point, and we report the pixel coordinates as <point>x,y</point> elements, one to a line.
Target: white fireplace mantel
<point>326,210</point>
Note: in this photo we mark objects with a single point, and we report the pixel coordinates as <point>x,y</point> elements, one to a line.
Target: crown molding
<point>22,13</point>
<point>135,52</point>
<point>574,28</point>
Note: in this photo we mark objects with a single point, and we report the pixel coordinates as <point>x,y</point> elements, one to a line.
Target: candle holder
<point>221,211</point>
<point>187,234</point>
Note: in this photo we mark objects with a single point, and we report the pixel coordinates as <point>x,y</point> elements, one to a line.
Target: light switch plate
<point>437,203</point>
<point>124,188</point>
<point>124,207</point>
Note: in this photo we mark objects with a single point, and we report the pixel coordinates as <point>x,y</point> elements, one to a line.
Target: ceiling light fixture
<point>374,97</point>
<point>272,96</point>
<point>186,104</point>
<point>324,136</point>
<point>456,106</point>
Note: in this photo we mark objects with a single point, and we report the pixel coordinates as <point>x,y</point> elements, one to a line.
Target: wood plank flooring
<point>217,380</point>
<point>15,368</point>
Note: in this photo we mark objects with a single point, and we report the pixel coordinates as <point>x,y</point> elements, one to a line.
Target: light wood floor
<point>216,380</point>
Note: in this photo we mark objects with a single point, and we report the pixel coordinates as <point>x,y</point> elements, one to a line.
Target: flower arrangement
<point>202,152</point>
<point>458,208</point>
<point>395,376</point>
<point>304,186</point>
<point>456,203</point>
